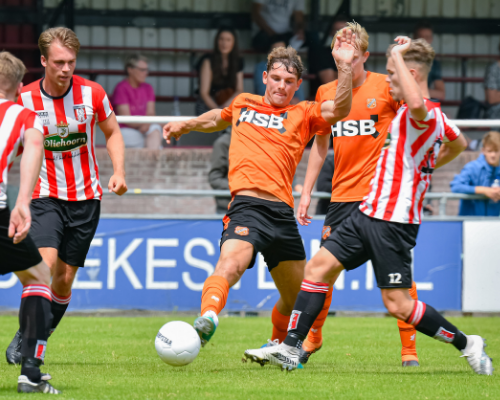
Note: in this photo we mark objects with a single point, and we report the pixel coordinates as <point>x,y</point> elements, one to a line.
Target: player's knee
<point>397,310</point>
<point>230,269</point>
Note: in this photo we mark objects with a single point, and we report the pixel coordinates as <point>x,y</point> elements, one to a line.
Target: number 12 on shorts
<point>395,278</point>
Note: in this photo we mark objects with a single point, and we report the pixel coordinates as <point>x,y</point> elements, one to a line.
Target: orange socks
<point>214,295</point>
<point>315,335</point>
<point>408,334</point>
<point>280,325</point>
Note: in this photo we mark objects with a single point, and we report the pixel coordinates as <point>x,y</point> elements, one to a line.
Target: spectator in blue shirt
<point>481,176</point>
<point>259,87</point>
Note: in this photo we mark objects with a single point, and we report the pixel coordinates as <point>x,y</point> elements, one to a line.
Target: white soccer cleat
<point>477,358</point>
<point>282,356</point>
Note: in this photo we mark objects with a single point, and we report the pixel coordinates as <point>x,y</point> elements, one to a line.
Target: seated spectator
<point>435,79</point>
<point>133,96</point>
<point>338,22</point>
<point>492,90</point>
<point>481,176</point>
<point>217,177</point>
<point>259,87</point>
<point>220,73</point>
<point>272,18</point>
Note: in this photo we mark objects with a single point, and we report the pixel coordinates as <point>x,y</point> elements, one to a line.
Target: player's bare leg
<point>234,259</point>
<point>322,269</point>
<point>35,319</point>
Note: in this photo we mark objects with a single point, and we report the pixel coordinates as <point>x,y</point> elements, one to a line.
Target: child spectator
<point>481,176</point>
<point>133,96</point>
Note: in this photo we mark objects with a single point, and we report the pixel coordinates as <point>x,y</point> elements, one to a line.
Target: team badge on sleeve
<point>371,103</point>
<point>80,113</point>
<point>44,116</point>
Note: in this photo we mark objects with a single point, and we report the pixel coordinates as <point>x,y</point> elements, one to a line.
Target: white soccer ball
<point>177,343</point>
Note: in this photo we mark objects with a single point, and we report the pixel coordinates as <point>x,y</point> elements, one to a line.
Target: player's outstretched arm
<point>116,151</point>
<point>31,162</point>
<point>449,151</point>
<point>412,94</point>
<point>343,53</point>
<point>317,157</point>
<point>209,122</point>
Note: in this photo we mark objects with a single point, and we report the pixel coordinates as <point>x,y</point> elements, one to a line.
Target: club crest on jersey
<point>80,113</point>
<point>44,116</point>
<point>62,130</point>
<point>371,103</point>
<point>264,120</point>
<point>64,140</point>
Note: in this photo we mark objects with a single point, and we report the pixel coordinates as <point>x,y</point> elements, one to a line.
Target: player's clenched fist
<point>174,130</point>
<point>117,184</point>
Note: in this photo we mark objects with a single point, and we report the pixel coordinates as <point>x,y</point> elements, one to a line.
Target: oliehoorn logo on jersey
<point>64,140</point>
<point>362,127</point>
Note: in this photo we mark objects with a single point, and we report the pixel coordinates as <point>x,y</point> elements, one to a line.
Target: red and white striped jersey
<point>14,121</point>
<point>406,163</point>
<point>69,171</point>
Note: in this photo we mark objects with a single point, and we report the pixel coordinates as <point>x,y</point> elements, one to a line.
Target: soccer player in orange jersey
<point>357,142</point>
<point>267,141</point>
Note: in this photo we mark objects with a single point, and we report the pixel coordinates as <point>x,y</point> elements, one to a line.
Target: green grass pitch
<point>115,358</point>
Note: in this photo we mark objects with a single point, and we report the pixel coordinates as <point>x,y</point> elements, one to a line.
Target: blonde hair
<point>12,71</point>
<point>420,52</point>
<point>492,139</point>
<point>64,35</point>
<point>362,41</point>
<point>287,57</point>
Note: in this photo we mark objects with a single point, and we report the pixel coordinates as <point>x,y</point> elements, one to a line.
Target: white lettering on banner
<point>315,245</point>
<point>9,282</point>
<point>340,283</point>
<point>196,262</point>
<point>261,275</point>
<point>369,275</point>
<point>122,262</point>
<point>92,267</point>
<point>152,263</point>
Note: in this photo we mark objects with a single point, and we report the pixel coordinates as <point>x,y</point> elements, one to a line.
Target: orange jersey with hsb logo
<point>267,143</point>
<point>358,139</point>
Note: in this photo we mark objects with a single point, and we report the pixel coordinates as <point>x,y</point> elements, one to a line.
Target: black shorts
<point>336,213</point>
<point>68,226</point>
<point>387,244</point>
<point>15,257</point>
<point>269,225</point>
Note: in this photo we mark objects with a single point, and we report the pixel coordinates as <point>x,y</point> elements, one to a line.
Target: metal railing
<point>132,119</point>
<point>442,197</point>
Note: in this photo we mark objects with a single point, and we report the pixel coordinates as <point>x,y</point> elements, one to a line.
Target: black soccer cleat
<point>24,385</point>
<point>13,353</point>
<point>305,354</point>
<point>411,363</point>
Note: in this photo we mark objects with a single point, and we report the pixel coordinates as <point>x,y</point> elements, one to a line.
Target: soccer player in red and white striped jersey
<point>385,227</point>
<point>22,129</point>
<point>66,199</point>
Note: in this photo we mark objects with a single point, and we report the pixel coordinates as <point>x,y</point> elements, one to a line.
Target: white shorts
<point>134,138</point>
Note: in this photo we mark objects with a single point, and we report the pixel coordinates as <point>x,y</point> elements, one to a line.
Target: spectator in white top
<point>273,18</point>
<point>133,96</point>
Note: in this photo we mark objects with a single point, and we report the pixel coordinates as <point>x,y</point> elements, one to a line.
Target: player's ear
<point>414,73</point>
<point>43,60</point>
<point>264,77</point>
<point>19,89</point>
<point>365,56</point>
<point>299,82</point>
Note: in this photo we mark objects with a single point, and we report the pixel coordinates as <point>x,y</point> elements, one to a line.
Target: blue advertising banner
<point>162,264</point>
